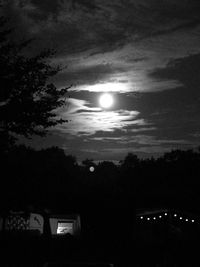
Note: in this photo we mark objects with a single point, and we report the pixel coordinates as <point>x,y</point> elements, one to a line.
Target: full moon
<point>106,100</point>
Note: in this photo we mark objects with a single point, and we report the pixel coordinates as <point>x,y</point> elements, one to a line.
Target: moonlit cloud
<point>91,120</point>
<point>146,53</point>
<point>106,87</point>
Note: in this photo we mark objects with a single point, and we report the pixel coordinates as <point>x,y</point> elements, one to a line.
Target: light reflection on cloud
<point>91,119</point>
<point>140,139</point>
<point>107,87</point>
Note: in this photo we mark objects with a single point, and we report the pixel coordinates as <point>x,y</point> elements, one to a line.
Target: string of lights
<point>166,215</point>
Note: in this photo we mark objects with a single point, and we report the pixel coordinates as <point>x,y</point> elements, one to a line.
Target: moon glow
<point>106,100</point>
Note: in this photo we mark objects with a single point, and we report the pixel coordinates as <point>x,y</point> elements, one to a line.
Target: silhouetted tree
<point>28,102</point>
<point>87,163</point>
<point>130,161</point>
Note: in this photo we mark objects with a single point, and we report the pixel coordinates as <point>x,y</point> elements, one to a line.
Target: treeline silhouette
<point>49,177</point>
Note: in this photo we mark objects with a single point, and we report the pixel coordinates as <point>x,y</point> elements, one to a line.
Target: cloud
<point>143,129</point>
<point>89,75</point>
<point>140,139</point>
<point>131,37</point>
<point>93,119</point>
<point>152,141</point>
<point>185,70</point>
<point>83,25</point>
<point>143,151</point>
<point>77,105</point>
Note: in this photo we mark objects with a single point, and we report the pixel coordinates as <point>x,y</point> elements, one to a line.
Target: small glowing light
<point>148,219</point>
<point>91,169</point>
<point>192,220</point>
<point>165,213</point>
<point>181,218</point>
<point>175,215</point>
<point>160,216</point>
<point>141,217</point>
<point>186,220</point>
<point>154,218</point>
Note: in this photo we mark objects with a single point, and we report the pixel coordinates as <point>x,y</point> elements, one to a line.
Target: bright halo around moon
<point>106,100</point>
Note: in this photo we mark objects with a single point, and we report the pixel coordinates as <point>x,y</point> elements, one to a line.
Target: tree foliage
<point>28,102</point>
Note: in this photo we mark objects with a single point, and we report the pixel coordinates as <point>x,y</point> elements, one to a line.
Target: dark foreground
<point>167,249</point>
<point>67,253</point>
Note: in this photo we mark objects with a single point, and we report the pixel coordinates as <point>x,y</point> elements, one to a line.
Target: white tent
<point>21,221</point>
<point>65,224</point>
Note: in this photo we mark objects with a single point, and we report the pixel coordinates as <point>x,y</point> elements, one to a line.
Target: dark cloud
<point>47,6</point>
<point>88,4</point>
<point>187,71</point>
<point>78,25</point>
<point>88,75</point>
<point>175,112</point>
<point>54,6</point>
<point>135,60</point>
<point>182,26</point>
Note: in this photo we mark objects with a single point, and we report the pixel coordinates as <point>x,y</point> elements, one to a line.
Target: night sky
<point>145,53</point>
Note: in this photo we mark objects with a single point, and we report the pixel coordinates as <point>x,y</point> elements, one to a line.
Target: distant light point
<point>91,169</point>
